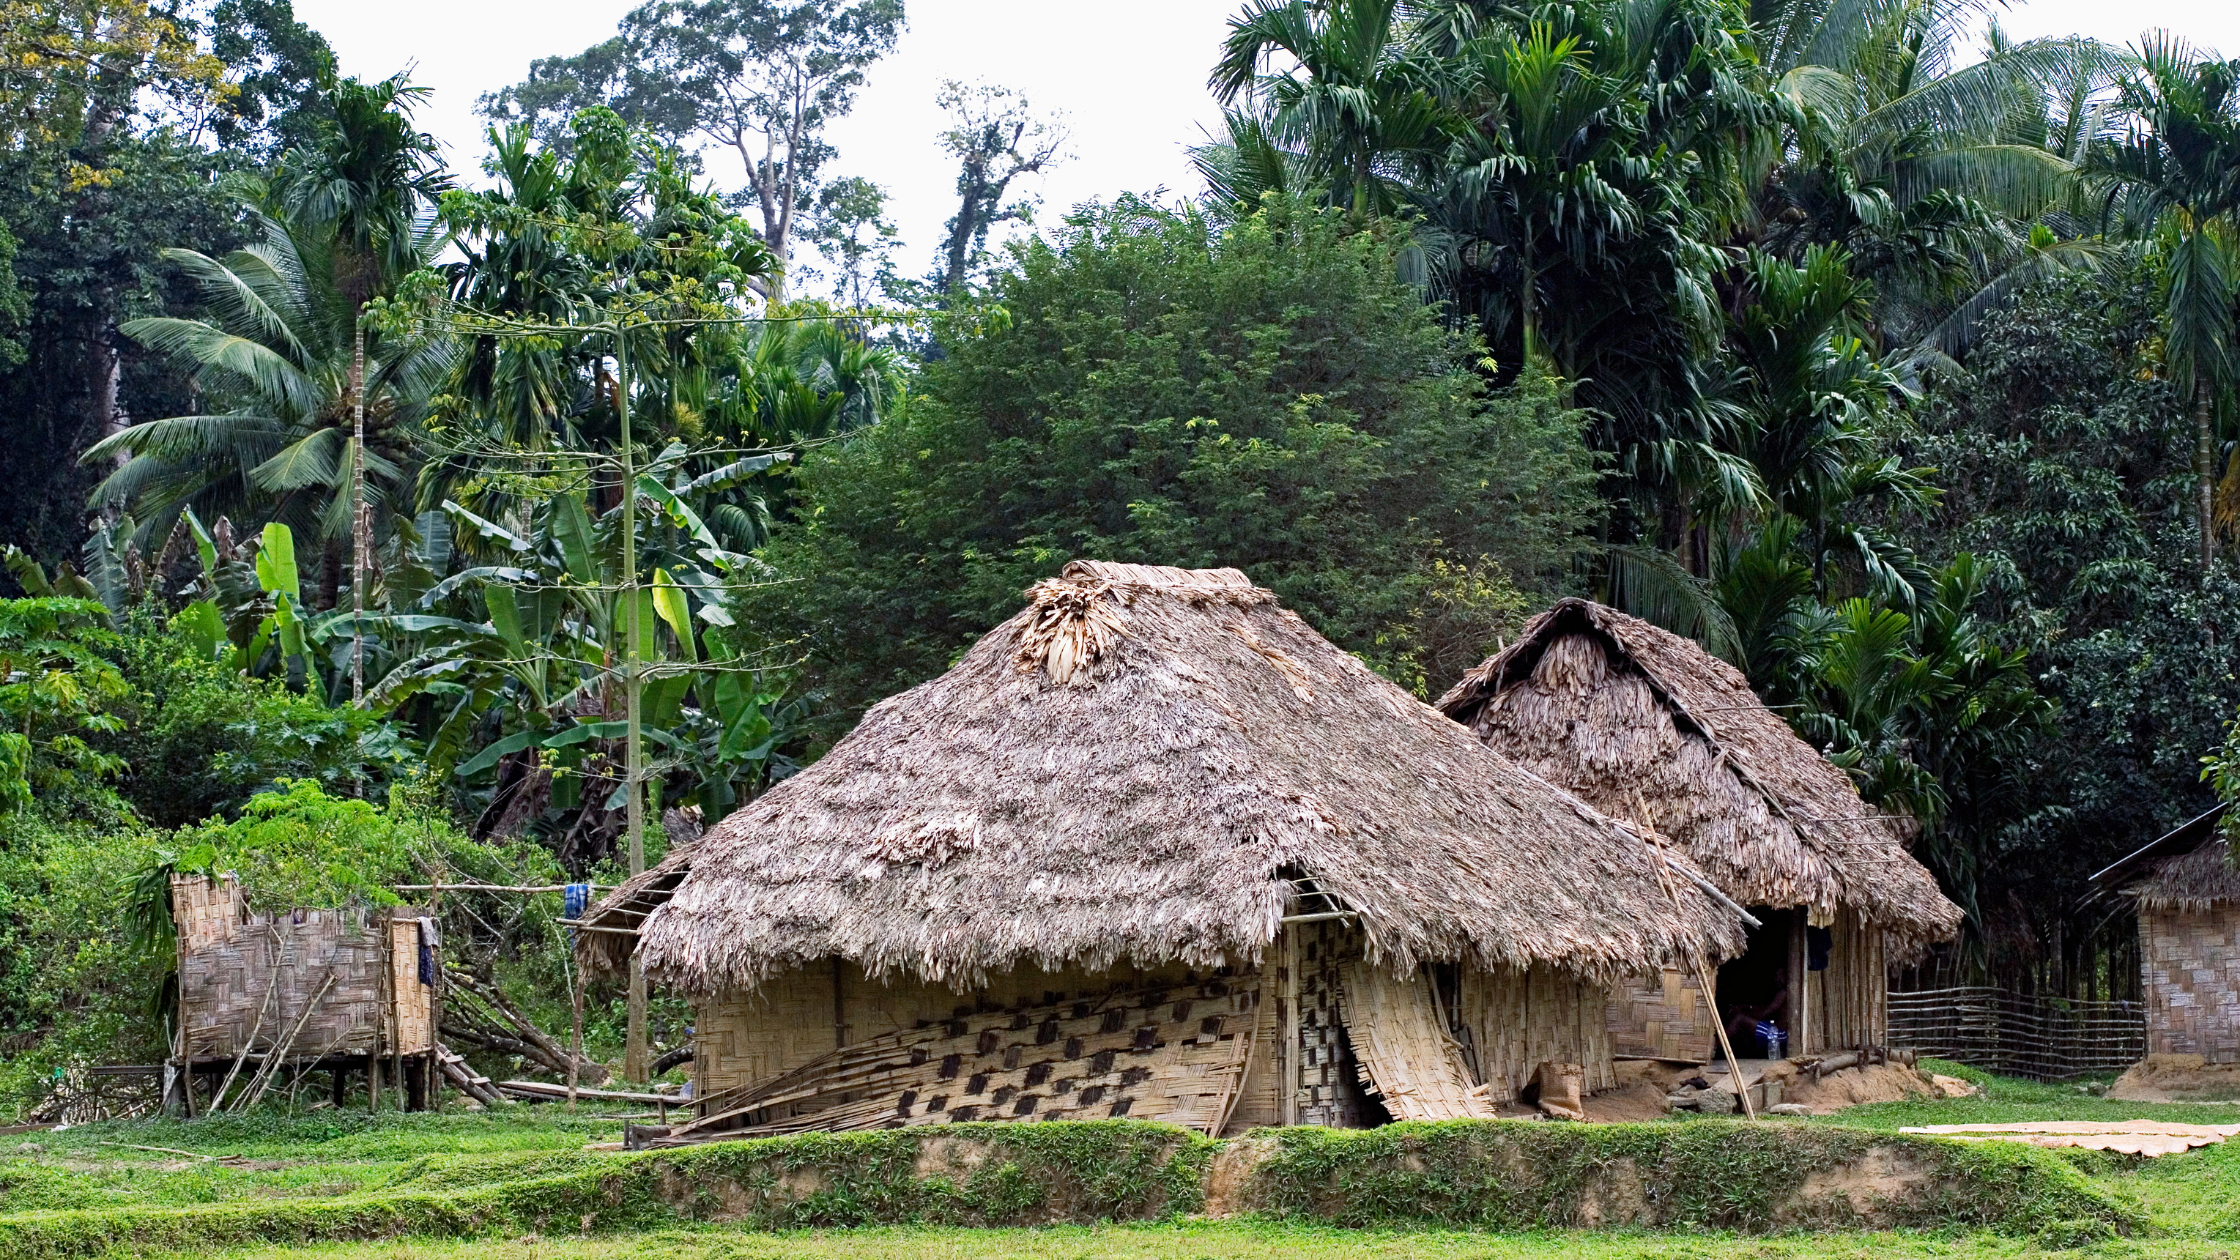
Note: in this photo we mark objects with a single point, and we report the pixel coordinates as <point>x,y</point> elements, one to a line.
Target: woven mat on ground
<point>2131,1137</point>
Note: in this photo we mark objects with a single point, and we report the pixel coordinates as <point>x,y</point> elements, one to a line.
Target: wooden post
<point>396,1020</point>
<point>381,985</point>
<point>1288,1082</point>
<point>341,1084</point>
<point>1803,955</point>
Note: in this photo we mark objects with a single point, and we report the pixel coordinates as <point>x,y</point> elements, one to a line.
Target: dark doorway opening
<point>1756,987</point>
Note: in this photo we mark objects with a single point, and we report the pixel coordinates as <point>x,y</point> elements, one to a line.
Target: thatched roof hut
<point>1136,768</point>
<point>1151,783</point>
<point>1646,725</point>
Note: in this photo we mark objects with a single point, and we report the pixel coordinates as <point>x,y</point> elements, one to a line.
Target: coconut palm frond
<point>206,350</point>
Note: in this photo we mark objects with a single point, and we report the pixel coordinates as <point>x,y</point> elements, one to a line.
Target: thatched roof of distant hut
<point>1136,768</point>
<point>1648,726</point>
<point>2187,870</point>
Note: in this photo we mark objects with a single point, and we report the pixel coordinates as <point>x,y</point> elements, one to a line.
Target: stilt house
<point>1152,848</point>
<point>1649,727</point>
<point>2188,898</point>
<point>348,989</point>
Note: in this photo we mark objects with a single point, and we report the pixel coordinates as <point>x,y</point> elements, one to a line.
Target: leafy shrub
<point>1159,389</point>
<point>198,739</point>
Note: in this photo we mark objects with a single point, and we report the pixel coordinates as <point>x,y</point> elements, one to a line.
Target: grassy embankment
<point>2186,1202</point>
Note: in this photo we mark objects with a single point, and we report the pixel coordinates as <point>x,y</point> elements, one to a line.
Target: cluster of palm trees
<point>430,388</point>
<point>1745,247</point>
<point>1635,195</point>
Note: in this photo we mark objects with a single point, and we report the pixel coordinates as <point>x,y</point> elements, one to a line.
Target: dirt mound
<point>1875,1083</point>
<point>1638,1101</point>
<point>2177,1078</point>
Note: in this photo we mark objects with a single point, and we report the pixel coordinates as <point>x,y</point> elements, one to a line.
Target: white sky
<point>1129,77</point>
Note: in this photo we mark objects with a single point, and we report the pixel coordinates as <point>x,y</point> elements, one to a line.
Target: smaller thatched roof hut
<point>2188,898</point>
<point>1646,725</point>
<point>1153,771</point>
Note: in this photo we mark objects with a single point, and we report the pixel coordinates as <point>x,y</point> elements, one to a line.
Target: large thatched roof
<point>2188,869</point>
<point>1137,768</point>
<point>1647,725</point>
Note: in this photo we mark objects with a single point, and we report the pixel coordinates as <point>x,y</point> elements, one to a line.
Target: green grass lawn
<point>2191,1199</point>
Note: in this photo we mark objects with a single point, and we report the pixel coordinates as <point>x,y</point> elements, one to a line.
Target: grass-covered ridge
<point>961,1175</point>
<point>1719,1174</point>
<point>514,1174</point>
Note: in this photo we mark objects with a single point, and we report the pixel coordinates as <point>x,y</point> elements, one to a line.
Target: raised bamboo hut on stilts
<point>264,997</point>
<point>1153,848</point>
<point>1649,727</point>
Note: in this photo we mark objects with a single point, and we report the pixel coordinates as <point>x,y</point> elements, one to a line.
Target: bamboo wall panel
<point>1662,1015</point>
<point>1520,1020</point>
<point>798,1015</point>
<point>1173,1053</point>
<point>1328,1091</point>
<point>246,981</point>
<point>1399,1035</point>
<point>1260,1094</point>
<point>1847,1004</point>
<point>2190,964</point>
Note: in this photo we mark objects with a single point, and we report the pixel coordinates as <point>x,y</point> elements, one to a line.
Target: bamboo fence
<point>2044,1038</point>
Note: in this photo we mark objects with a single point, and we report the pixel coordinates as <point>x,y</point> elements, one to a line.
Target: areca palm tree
<point>280,355</point>
<point>367,181</point>
<point>1356,100</point>
<point>2179,168</point>
<point>1929,172</point>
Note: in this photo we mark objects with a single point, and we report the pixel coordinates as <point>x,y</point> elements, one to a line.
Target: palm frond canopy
<point>1648,726</point>
<point>1141,767</point>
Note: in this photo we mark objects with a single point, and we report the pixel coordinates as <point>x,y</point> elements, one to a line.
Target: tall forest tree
<point>118,144</point>
<point>2177,173</point>
<point>764,79</point>
<point>996,138</point>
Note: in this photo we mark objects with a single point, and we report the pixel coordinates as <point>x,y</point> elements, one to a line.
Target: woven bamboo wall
<point>801,1014</point>
<point>247,980</point>
<point>1520,1020</point>
<point>1150,1050</point>
<point>2191,962</point>
<point>1328,1092</point>
<point>1260,1096</point>
<point>1662,1016</point>
<point>1847,1005</point>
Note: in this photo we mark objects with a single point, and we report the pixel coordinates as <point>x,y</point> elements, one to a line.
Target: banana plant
<point>510,662</point>
<point>246,611</point>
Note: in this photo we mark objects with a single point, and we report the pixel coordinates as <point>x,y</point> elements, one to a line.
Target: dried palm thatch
<point>2191,882</point>
<point>1648,726</point>
<point>2187,870</point>
<point>1137,768</point>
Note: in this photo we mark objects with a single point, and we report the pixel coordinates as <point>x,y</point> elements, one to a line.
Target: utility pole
<point>633,687</point>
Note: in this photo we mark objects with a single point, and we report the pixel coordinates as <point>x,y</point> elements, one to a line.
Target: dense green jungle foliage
<point>1895,369</point>
<point>1157,387</point>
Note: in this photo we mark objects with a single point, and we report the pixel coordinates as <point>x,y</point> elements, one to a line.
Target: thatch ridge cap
<point>1157,575</point>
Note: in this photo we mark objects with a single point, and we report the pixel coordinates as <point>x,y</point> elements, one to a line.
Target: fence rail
<point>2049,1039</point>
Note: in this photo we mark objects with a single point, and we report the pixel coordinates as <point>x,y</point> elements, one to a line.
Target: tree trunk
<point>2204,467</point>
<point>361,521</point>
